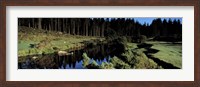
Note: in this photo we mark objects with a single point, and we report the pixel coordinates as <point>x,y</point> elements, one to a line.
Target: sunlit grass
<point>170,53</point>
<point>27,36</point>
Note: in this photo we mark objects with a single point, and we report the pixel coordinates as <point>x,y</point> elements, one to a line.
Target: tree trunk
<point>78,27</point>
<point>59,24</point>
<point>74,27</point>
<point>51,24</point>
<point>102,31</point>
<point>29,23</point>
<point>55,24</point>
<point>39,23</point>
<point>86,29</point>
<point>33,23</point>
<point>63,23</point>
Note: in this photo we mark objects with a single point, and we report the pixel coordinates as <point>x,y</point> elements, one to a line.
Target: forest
<point>99,43</point>
<point>103,26</point>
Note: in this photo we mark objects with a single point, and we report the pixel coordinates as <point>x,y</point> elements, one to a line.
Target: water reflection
<point>100,53</point>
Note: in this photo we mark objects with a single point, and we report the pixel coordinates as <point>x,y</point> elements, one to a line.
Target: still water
<point>100,53</point>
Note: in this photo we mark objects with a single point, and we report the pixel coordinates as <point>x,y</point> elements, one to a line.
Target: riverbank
<point>118,53</point>
<point>33,41</point>
<point>147,55</point>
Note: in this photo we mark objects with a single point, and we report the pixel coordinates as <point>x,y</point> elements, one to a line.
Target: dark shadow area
<point>144,45</point>
<point>165,65</point>
<point>151,51</point>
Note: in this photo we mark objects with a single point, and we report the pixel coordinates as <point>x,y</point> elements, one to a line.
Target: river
<point>100,53</point>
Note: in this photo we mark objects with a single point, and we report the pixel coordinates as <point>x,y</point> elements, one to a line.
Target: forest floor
<point>33,41</point>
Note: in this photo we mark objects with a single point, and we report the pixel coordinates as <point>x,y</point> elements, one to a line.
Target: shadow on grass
<point>151,51</point>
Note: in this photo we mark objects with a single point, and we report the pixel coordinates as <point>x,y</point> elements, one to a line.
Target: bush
<point>93,65</point>
<point>123,39</point>
<point>128,56</point>
<point>119,64</point>
<point>142,61</point>
<point>121,44</point>
<point>86,60</point>
<point>137,59</point>
<point>143,39</point>
<point>106,65</point>
<point>129,39</point>
<point>110,34</point>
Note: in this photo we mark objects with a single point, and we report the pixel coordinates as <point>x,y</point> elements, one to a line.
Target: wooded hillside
<point>105,26</point>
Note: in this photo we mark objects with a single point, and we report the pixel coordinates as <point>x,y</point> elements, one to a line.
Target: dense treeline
<point>106,26</point>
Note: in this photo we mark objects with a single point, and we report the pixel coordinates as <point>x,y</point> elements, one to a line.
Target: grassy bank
<point>168,52</point>
<point>34,41</point>
<point>134,57</point>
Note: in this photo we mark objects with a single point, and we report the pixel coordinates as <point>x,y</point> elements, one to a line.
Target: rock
<point>62,53</point>
<point>70,53</point>
<point>34,57</point>
<point>60,33</point>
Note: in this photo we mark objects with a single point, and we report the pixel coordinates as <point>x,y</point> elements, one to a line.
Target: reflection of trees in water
<point>70,60</point>
<point>98,53</point>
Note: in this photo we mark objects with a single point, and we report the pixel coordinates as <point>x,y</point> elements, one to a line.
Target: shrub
<point>137,59</point>
<point>142,61</point>
<point>93,65</point>
<point>91,43</point>
<point>143,39</point>
<point>123,39</point>
<point>129,39</point>
<point>110,34</point>
<point>106,65</point>
<point>121,44</point>
<point>128,56</point>
<point>119,64</point>
<point>86,60</point>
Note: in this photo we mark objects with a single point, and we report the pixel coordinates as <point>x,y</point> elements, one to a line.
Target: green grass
<point>168,52</point>
<point>131,45</point>
<point>27,36</point>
